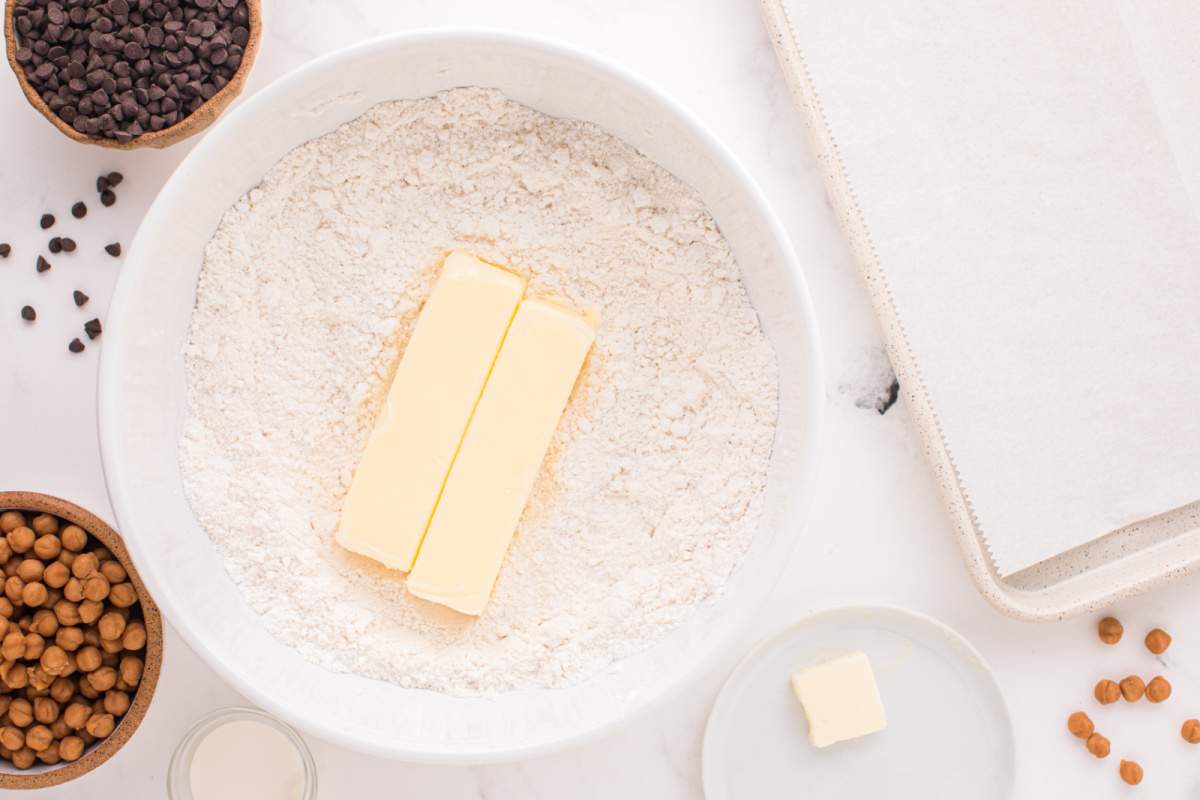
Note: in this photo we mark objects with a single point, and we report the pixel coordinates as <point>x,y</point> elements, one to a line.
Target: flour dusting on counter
<point>652,488</point>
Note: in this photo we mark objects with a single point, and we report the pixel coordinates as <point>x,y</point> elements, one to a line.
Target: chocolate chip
<point>28,314</point>
<point>108,197</point>
<point>5,249</point>
<point>42,264</point>
<point>114,179</point>
<point>92,328</point>
<point>47,220</point>
<point>75,346</point>
<point>79,210</point>
<point>113,249</point>
<point>68,244</point>
<point>80,298</point>
<point>55,246</point>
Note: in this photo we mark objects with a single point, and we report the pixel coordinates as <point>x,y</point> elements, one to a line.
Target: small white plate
<point>948,732</point>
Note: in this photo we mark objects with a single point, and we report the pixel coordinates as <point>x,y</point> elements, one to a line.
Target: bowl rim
<point>121,496</point>
<point>92,758</point>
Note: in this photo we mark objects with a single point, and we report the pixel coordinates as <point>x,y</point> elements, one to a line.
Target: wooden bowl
<point>40,775</point>
<point>195,122</point>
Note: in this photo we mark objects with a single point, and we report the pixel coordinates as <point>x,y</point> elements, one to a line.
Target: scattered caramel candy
<point>1132,688</point>
<point>1157,642</point>
<point>1111,630</point>
<point>1080,724</point>
<point>1158,689</point>
<point>1098,746</point>
<point>1191,731</point>
<point>1107,692</point>
<point>1131,772</point>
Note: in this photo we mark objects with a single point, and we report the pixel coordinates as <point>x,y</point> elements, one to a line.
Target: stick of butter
<point>840,699</point>
<point>429,404</point>
<point>501,455</point>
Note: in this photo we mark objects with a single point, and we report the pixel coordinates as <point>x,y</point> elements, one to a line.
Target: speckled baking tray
<point>1121,563</point>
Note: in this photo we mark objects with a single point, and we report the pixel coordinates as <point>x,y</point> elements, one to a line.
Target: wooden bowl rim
<point>190,125</point>
<point>104,750</point>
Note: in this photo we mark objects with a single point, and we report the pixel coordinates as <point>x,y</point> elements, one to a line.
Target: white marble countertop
<point>876,534</point>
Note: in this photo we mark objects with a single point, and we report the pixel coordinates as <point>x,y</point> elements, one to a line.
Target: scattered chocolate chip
<point>114,179</point>
<point>75,346</point>
<point>68,244</point>
<point>79,210</point>
<point>102,181</point>
<point>55,246</point>
<point>28,314</point>
<point>113,249</point>
<point>80,298</point>
<point>42,264</point>
<point>92,328</point>
<point>5,249</point>
<point>108,197</point>
<point>47,220</point>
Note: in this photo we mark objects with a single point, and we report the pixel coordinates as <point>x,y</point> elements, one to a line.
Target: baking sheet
<point>1026,175</point>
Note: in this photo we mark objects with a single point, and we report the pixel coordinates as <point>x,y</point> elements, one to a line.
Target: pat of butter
<point>435,389</point>
<point>501,456</point>
<point>840,699</point>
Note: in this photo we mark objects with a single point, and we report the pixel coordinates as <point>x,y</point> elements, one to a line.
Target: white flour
<point>653,486</point>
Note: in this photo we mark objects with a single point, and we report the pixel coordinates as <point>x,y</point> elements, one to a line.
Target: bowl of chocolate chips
<point>131,73</point>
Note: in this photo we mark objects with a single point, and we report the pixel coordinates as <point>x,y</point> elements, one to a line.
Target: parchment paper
<point>1027,172</point>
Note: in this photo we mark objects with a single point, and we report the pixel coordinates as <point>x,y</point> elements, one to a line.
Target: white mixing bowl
<point>142,391</point>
